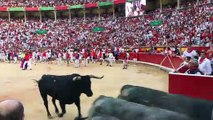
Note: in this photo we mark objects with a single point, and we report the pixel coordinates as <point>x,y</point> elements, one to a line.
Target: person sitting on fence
<point>193,67</point>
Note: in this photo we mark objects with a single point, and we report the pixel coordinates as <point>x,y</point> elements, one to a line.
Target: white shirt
<point>191,54</point>
<point>111,56</point>
<point>205,66</point>
<point>59,55</point>
<point>48,54</point>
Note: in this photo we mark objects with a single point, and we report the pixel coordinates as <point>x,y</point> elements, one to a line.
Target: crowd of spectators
<point>36,3</point>
<point>180,27</point>
<point>197,62</point>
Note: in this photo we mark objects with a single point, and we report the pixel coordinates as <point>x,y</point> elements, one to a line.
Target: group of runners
<point>77,57</point>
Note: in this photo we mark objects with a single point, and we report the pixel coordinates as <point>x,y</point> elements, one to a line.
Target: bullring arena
<point>168,43</point>
<point>18,84</point>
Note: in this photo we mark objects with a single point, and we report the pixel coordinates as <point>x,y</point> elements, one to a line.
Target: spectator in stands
<point>167,51</point>
<point>204,64</point>
<point>189,25</point>
<point>153,50</point>
<point>189,53</point>
<point>176,51</point>
<point>193,68</point>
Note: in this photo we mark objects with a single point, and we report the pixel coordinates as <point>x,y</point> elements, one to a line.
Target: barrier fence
<point>196,86</point>
<point>169,61</point>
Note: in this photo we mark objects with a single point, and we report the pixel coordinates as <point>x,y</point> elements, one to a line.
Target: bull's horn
<point>92,76</point>
<point>76,78</point>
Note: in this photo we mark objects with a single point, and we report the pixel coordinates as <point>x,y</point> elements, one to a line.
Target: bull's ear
<point>76,78</point>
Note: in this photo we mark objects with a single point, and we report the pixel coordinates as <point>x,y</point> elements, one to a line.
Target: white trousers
<point>77,64</point>
<point>25,62</point>
<point>30,63</point>
<point>59,61</point>
<point>15,60</point>
<point>86,62</point>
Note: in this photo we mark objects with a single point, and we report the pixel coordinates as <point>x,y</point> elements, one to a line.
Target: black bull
<point>66,89</point>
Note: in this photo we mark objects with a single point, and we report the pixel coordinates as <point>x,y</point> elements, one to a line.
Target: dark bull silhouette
<point>66,89</point>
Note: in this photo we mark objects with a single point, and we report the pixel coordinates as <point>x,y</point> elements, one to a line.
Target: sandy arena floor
<point>18,84</point>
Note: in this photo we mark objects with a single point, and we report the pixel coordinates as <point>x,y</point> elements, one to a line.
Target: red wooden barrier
<point>191,85</point>
<point>156,59</point>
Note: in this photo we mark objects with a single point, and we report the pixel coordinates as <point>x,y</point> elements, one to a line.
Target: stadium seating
<point>178,28</point>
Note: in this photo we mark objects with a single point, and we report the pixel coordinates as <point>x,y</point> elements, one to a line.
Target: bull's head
<point>85,83</point>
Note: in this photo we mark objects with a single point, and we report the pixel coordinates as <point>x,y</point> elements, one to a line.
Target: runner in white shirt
<point>110,59</point>
<point>49,55</point>
<point>59,57</point>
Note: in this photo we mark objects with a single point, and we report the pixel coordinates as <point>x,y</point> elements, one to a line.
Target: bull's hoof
<point>60,115</point>
<point>50,117</point>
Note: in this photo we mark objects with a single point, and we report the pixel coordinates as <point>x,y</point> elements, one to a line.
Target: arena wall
<point>196,86</point>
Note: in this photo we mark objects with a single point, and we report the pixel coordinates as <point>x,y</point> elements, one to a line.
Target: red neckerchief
<point>201,60</point>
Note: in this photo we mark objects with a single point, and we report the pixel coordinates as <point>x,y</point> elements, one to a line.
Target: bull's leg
<point>63,109</point>
<point>44,97</point>
<point>56,109</point>
<point>77,103</point>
